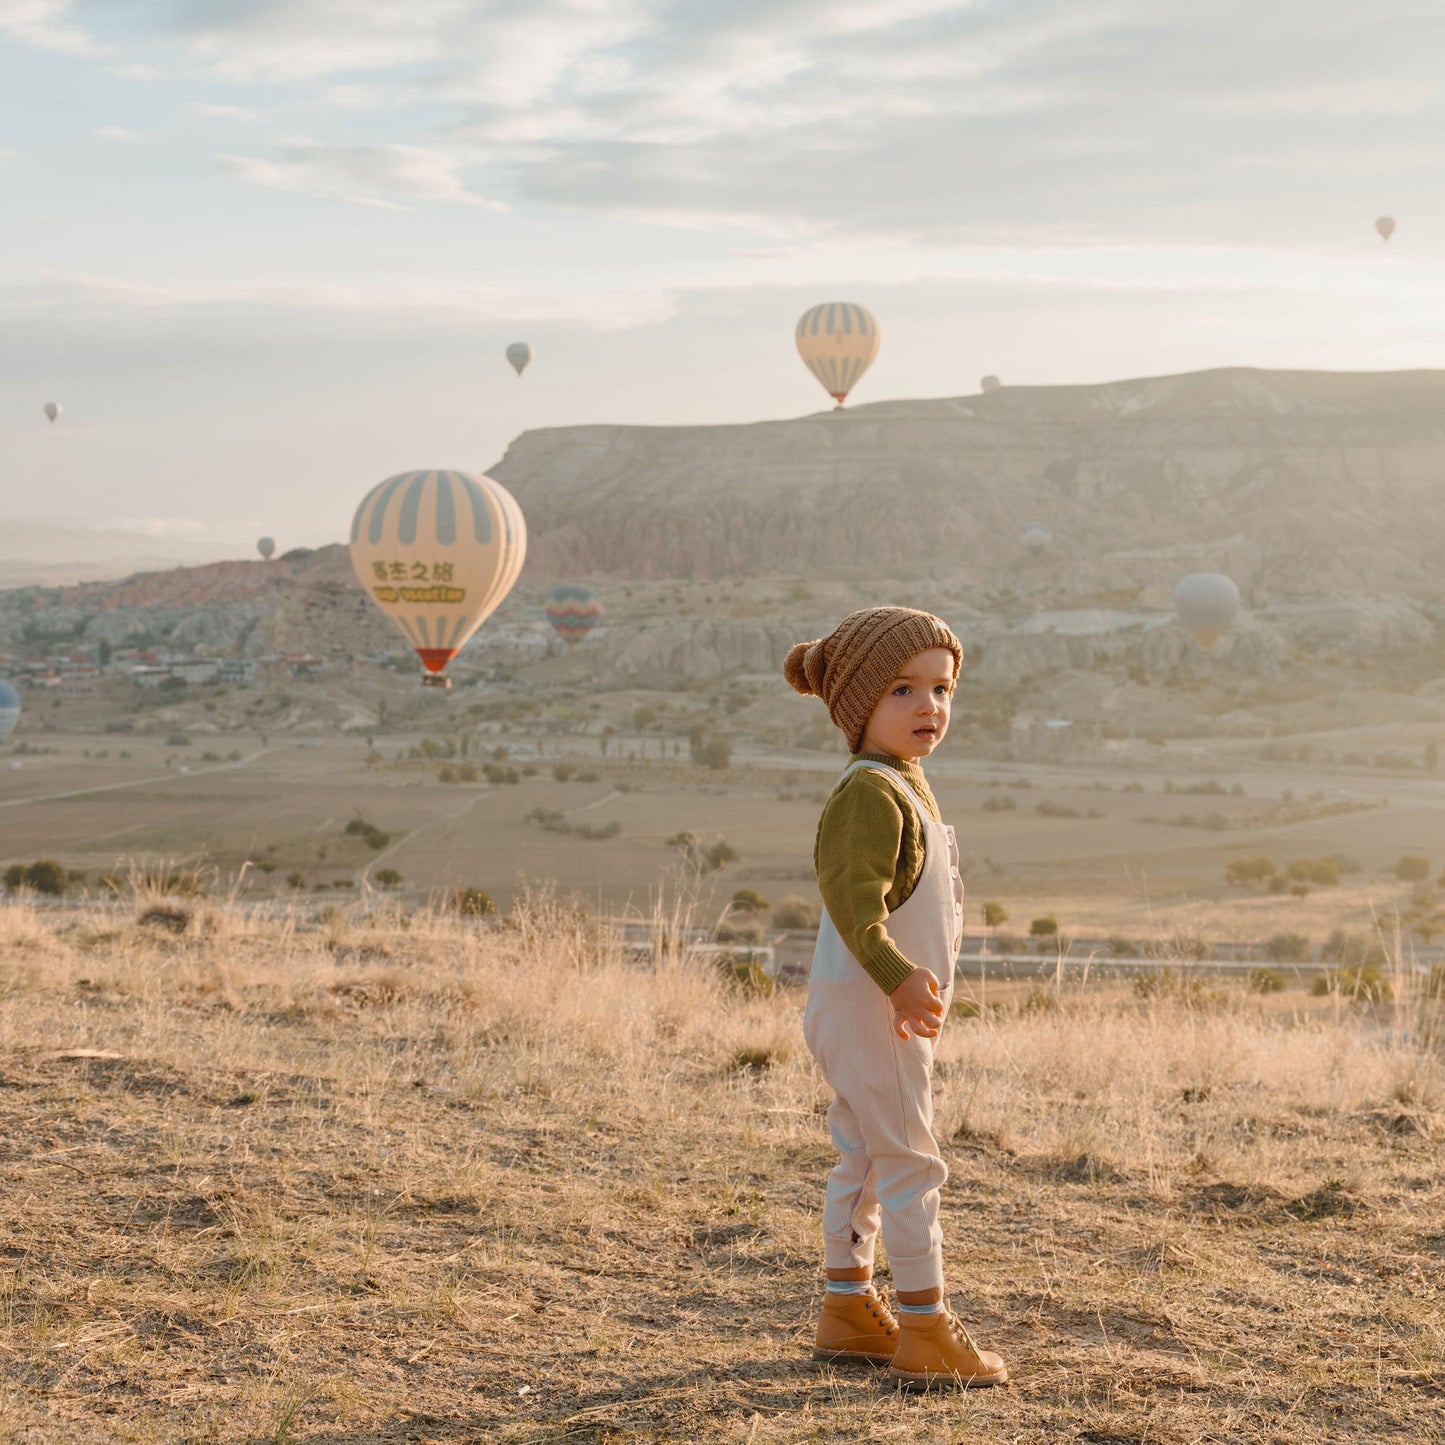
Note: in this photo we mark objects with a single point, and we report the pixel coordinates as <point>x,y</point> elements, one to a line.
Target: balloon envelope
<point>573,611</point>
<point>990,383</point>
<point>1207,604</point>
<point>1037,536</point>
<point>520,355</point>
<point>9,710</point>
<point>437,551</point>
<point>1385,225</point>
<point>266,546</point>
<point>53,409</point>
<point>837,342</point>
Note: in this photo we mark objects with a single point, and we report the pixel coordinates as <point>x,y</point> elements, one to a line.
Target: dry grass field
<point>397,1178</point>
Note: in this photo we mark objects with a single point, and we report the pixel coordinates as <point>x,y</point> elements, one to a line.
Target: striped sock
<point>849,1286</point>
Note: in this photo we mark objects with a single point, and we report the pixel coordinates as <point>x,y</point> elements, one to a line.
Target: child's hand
<point>917,1005</point>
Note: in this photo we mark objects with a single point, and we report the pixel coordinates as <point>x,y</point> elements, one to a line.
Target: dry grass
<point>416,1180</point>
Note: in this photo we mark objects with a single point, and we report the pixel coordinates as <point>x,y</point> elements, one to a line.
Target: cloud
<point>44,25</point>
<point>116,132</point>
<point>375,175</point>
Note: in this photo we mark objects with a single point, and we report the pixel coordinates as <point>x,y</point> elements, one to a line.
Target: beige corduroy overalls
<point>881,1117</point>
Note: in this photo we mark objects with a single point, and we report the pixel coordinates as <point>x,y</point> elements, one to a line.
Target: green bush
<point>995,915</point>
<point>1240,872</point>
<point>562,771</point>
<point>748,900</point>
<point>1364,983</point>
<point>387,877</point>
<point>1268,980</point>
<point>473,902</point>
<point>1412,868</point>
<point>796,912</point>
<point>45,875</point>
<point>1044,927</point>
<point>369,834</point>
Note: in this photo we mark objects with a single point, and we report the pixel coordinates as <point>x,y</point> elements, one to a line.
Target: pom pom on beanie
<point>851,668</point>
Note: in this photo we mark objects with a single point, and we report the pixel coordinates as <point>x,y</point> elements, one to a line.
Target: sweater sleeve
<point>859,838</point>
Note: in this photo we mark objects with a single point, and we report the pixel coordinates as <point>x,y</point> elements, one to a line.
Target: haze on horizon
<point>267,254</point>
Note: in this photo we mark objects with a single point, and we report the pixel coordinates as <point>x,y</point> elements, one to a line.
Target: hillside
<point>1295,482</point>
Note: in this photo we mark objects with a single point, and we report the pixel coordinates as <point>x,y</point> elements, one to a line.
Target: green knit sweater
<point>869,856</point>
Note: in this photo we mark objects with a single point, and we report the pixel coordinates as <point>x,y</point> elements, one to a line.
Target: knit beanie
<point>851,668</point>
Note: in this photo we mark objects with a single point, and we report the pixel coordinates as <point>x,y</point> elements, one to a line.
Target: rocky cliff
<point>1291,481</point>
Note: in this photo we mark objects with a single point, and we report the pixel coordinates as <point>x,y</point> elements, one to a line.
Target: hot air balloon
<point>9,710</point>
<point>990,383</point>
<point>837,342</point>
<point>573,611</point>
<point>1385,225</point>
<point>437,552</point>
<point>520,355</point>
<point>1207,603</point>
<point>266,546</point>
<point>53,409</point>
<point>1037,536</point>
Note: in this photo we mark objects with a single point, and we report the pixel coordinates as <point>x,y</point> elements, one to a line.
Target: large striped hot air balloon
<point>573,611</point>
<point>437,552</point>
<point>837,342</point>
<point>9,710</point>
<point>1207,604</point>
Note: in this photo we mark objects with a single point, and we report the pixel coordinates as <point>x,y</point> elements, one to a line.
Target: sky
<point>266,253</point>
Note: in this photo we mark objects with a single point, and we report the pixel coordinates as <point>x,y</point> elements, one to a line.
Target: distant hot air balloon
<point>573,610</point>
<point>437,552</point>
<point>520,355</point>
<point>1385,225</point>
<point>1207,604</point>
<point>837,342</point>
<point>53,409</point>
<point>266,546</point>
<point>1037,536</point>
<point>9,710</point>
<point>990,383</point>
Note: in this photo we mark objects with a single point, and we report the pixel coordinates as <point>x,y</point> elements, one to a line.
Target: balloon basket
<point>435,679</point>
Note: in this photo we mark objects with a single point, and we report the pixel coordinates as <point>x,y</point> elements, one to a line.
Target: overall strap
<point>924,819</point>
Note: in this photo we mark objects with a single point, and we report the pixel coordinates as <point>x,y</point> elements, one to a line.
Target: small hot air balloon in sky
<point>266,546</point>
<point>1207,604</point>
<point>52,410</point>
<point>1385,225</point>
<point>1037,536</point>
<point>990,383</point>
<point>9,710</point>
<point>437,552</point>
<point>573,611</point>
<point>837,342</point>
<point>520,355</point>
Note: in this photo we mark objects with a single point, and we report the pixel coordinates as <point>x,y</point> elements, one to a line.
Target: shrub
<point>1050,809</point>
<point>296,880</point>
<point>1044,927</point>
<point>1240,872</point>
<point>1287,948</point>
<point>473,902</point>
<point>45,875</point>
<point>562,771</point>
<point>999,803</point>
<point>178,740</point>
<point>387,877</point>
<point>796,912</point>
<point>1007,943</point>
<point>1121,947</point>
<point>1362,984</point>
<point>1268,980</point>
<point>1353,950</point>
<point>496,774</point>
<point>1412,868</point>
<point>748,900</point>
<point>372,836</point>
<point>1325,871</point>
<point>719,855</point>
<point>995,915</point>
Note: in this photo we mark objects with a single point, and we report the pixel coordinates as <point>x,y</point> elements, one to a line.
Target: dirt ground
<point>407,1179</point>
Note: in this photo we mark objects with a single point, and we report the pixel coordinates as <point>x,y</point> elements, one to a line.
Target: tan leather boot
<point>936,1350</point>
<point>855,1327</point>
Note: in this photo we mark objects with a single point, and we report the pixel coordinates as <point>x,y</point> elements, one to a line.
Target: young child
<point>879,991</point>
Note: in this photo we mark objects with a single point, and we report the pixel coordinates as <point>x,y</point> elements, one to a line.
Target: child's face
<point>912,715</point>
